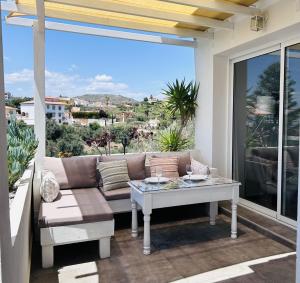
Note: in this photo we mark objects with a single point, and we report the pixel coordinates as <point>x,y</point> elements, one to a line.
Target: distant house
<point>55,110</point>
<point>80,102</point>
<point>152,99</point>
<point>10,112</point>
<point>7,96</point>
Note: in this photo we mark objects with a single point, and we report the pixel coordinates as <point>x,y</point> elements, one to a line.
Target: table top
<point>180,184</point>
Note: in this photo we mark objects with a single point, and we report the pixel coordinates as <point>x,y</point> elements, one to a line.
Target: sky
<point>79,64</point>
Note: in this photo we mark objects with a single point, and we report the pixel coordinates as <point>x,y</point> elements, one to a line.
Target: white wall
<point>204,114</point>
<point>212,62</point>
<point>21,234</point>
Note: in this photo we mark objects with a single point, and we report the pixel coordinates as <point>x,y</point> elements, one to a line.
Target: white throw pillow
<point>199,168</point>
<point>49,188</point>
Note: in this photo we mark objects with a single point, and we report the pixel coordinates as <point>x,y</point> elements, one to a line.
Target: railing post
<point>39,83</point>
<point>5,232</point>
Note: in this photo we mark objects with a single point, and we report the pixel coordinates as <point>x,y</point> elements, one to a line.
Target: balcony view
<point>149,141</point>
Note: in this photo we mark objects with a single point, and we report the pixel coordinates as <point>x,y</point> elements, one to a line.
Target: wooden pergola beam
<point>20,21</point>
<point>218,5</point>
<point>147,12</point>
<point>52,13</point>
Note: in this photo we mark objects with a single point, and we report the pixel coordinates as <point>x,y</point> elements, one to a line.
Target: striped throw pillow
<point>169,165</point>
<point>114,174</point>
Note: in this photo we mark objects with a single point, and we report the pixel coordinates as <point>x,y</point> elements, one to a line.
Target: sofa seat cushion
<point>123,193</point>
<point>76,206</point>
<point>73,172</point>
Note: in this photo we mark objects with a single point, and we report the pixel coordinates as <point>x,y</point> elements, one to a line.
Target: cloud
<point>104,83</point>
<point>68,84</point>
<point>73,68</point>
<point>25,75</point>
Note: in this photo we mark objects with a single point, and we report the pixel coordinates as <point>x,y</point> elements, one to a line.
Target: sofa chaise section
<point>80,213</point>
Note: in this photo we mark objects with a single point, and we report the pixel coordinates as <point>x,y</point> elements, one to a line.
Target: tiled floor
<point>263,224</point>
<point>179,249</point>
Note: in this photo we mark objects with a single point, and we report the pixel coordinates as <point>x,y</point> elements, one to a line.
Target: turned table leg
<point>147,249</point>
<point>234,219</point>
<point>213,212</point>
<point>134,222</point>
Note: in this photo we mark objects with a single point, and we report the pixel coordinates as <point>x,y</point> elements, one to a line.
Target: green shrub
<point>171,140</point>
<point>21,149</point>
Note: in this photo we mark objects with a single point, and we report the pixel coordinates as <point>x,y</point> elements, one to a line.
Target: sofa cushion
<point>199,168</point>
<point>123,193</point>
<point>49,188</point>
<point>169,165</point>
<point>75,207</point>
<point>135,164</point>
<point>114,174</point>
<point>184,158</point>
<point>73,172</point>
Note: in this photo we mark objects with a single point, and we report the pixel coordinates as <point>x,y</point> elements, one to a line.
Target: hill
<point>114,99</point>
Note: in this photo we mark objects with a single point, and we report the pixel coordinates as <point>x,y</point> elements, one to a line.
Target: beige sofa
<point>83,211</point>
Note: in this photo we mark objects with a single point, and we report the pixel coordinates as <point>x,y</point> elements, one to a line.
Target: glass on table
<point>189,171</point>
<point>159,173</point>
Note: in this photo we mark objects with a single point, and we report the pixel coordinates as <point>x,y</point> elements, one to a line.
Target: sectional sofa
<point>83,211</point>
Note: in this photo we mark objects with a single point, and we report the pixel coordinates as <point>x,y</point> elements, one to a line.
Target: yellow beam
<point>104,19</point>
<point>119,7</point>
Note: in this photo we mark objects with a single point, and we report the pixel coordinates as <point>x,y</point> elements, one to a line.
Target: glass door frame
<point>248,55</point>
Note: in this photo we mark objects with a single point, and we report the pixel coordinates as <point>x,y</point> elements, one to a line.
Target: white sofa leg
<point>104,247</point>
<point>47,256</point>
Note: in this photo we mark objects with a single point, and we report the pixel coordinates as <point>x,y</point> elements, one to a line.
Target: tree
<point>182,99</point>
<point>262,129</point>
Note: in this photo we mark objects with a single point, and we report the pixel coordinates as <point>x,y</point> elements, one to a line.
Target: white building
<point>10,112</point>
<point>54,110</point>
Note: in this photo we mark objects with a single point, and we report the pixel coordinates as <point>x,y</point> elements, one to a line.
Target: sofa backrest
<point>73,172</point>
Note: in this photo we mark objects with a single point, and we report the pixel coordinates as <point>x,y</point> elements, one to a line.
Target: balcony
<point>196,234</point>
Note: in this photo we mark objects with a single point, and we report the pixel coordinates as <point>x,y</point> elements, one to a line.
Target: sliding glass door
<point>255,128</point>
<point>266,113</point>
<point>290,139</point>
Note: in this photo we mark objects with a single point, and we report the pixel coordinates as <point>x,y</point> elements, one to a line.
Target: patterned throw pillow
<point>169,166</point>
<point>49,188</point>
<point>199,168</point>
<point>114,174</point>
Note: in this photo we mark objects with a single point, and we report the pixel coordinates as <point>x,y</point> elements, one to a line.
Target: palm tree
<point>182,99</point>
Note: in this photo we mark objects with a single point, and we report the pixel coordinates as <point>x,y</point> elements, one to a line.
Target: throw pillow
<point>199,168</point>
<point>135,164</point>
<point>169,165</point>
<point>184,158</point>
<point>49,188</point>
<point>114,174</point>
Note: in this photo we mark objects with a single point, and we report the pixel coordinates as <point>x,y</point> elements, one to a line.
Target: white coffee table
<point>180,192</point>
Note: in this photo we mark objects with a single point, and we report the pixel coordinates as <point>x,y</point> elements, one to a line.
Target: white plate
<point>154,180</point>
<point>195,177</point>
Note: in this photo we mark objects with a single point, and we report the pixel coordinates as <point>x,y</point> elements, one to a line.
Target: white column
<point>298,232</point>
<point>212,136</point>
<point>6,268</point>
<point>39,82</point>
<point>204,114</point>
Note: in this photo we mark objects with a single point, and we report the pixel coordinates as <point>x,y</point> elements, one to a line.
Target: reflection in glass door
<point>255,128</point>
<point>290,139</point>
